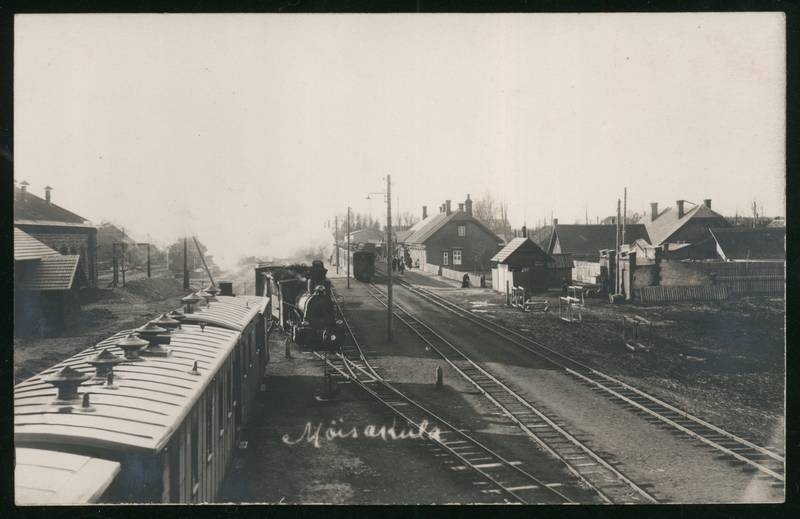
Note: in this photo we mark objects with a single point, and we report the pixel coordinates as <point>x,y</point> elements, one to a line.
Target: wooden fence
<point>741,285</point>
<point>684,293</point>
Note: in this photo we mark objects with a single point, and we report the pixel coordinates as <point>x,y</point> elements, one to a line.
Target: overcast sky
<point>252,130</point>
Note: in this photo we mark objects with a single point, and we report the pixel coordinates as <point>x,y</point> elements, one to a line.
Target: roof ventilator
<point>194,370</point>
<point>156,337</point>
<point>191,300</point>
<point>110,381</point>
<point>202,326</point>
<point>211,289</point>
<point>132,345</point>
<point>165,321</point>
<point>104,363</point>
<point>66,381</point>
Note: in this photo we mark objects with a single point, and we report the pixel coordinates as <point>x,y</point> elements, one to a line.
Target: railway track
<point>769,465</point>
<point>504,480</point>
<point>589,466</point>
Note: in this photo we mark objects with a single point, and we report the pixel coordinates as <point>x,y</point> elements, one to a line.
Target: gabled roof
<point>33,209</point>
<point>585,241</point>
<point>50,273</point>
<point>741,243</point>
<point>26,247</point>
<point>522,248</point>
<point>424,229</point>
<point>667,222</point>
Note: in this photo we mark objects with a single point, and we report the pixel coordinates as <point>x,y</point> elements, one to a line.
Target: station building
<point>64,231</point>
<point>523,263</point>
<point>450,242</point>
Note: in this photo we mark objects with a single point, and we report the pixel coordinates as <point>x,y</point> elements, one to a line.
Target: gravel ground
<point>340,471</point>
<point>648,452</point>
<point>722,361</point>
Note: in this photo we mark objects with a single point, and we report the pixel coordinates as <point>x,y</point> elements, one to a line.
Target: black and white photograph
<point>399,259</point>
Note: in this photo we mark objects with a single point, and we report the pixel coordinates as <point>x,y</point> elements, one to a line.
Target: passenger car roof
<point>151,402</point>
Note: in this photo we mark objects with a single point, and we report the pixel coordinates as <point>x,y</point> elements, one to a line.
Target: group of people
<point>398,264</point>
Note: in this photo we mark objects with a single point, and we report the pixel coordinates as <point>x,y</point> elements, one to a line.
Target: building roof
<point>562,261</point>
<point>57,272</point>
<point>521,248</point>
<point>424,229</point>
<point>231,312</point>
<point>33,209</point>
<point>366,236</point>
<point>152,399</point>
<point>667,222</point>
<point>585,241</point>
<point>45,477</point>
<point>26,247</point>
<point>739,243</point>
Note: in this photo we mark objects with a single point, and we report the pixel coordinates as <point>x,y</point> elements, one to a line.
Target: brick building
<point>451,239</point>
<point>56,227</point>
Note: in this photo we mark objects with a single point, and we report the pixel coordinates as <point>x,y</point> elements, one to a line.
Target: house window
<point>456,257</point>
<point>462,231</point>
<point>445,258</point>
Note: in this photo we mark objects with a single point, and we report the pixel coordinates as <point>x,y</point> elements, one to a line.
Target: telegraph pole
<point>336,239</point>
<point>348,246</point>
<point>389,253</point>
<point>185,265</point>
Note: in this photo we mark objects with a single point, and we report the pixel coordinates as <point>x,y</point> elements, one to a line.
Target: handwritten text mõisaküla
<point>336,429</point>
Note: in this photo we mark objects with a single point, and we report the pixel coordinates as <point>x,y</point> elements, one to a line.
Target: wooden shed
<point>522,263</point>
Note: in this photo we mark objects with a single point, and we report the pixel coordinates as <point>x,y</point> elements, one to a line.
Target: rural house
<point>681,224</point>
<point>451,240</point>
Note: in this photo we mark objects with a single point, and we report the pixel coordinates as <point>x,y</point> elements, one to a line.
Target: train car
<point>301,304</point>
<point>137,420</point>
<point>364,265</point>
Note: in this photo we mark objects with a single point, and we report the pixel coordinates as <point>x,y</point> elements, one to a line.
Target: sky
<point>252,131</point>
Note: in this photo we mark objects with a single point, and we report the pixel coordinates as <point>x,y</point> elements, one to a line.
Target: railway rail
<point>591,467</point>
<point>769,464</point>
<point>507,480</point>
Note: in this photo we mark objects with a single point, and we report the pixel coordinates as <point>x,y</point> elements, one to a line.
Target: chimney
<point>707,203</point>
<point>679,203</point>
<point>47,190</point>
<point>468,205</point>
<point>524,231</point>
<point>441,208</point>
<point>424,211</point>
<point>447,207</point>
<point>653,211</point>
<point>23,189</point>
<point>461,208</point>
<point>555,222</point>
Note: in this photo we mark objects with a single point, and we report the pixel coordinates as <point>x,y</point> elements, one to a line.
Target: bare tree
<point>406,219</point>
<point>494,213</point>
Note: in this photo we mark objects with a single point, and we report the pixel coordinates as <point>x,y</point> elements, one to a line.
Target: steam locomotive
<point>302,304</point>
